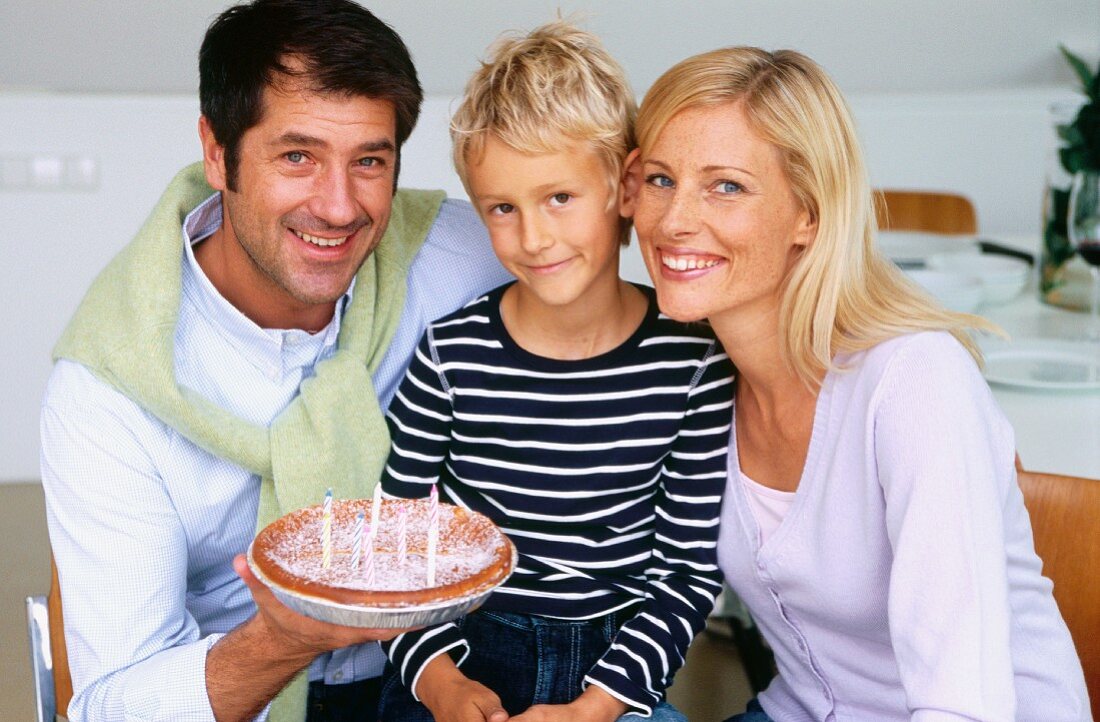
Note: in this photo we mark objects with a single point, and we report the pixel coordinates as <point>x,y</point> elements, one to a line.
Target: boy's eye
<point>501,209</point>
<point>559,199</point>
<point>659,180</point>
<point>728,187</point>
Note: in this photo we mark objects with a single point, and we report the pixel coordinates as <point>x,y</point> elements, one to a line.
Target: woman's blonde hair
<point>841,294</point>
<point>555,84</point>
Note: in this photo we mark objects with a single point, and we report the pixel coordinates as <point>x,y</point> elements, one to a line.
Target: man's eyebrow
<point>309,141</point>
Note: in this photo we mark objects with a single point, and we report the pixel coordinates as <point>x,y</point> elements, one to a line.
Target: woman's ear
<point>807,229</point>
<point>631,184</point>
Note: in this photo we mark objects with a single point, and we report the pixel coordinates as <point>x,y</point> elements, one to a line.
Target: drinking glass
<point>1083,222</point>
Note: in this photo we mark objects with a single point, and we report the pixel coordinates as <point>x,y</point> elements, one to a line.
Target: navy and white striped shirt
<point>606,472</point>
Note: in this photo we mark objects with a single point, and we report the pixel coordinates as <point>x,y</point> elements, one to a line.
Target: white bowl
<point>1002,276</point>
<point>914,247</point>
<point>956,291</point>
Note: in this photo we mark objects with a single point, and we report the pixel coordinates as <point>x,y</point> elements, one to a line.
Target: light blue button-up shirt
<point>144,524</point>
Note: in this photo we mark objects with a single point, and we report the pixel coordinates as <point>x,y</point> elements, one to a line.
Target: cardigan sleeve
<point>683,578</point>
<point>944,454</point>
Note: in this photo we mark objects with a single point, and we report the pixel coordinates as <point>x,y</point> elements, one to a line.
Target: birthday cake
<point>471,557</point>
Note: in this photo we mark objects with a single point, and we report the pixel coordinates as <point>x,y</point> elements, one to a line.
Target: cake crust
<point>474,556</point>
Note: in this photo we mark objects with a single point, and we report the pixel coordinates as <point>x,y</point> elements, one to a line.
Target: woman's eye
<point>728,187</point>
<point>661,181</point>
<point>560,199</point>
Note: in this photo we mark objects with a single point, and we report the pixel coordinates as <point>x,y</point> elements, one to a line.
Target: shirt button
<point>338,676</point>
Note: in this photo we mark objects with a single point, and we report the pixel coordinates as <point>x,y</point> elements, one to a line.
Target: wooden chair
<point>53,683</point>
<point>932,212</point>
<point>1065,519</point>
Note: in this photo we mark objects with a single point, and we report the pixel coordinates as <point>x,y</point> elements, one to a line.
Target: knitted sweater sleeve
<point>944,455</point>
<point>683,579</point>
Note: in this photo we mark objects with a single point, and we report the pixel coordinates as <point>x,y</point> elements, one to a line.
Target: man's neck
<point>233,274</point>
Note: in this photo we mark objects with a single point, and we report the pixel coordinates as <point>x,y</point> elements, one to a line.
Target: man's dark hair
<point>337,47</point>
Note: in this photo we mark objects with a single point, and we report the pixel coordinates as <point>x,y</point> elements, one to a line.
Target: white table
<point>1056,431</point>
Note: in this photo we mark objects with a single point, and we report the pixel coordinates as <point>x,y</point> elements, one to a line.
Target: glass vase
<point>1063,277</point>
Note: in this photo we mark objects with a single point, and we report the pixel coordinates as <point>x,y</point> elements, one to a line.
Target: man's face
<point>314,190</point>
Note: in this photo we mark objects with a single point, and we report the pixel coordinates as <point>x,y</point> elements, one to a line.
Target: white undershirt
<point>768,505</point>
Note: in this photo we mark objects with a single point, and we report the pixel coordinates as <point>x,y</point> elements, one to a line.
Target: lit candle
<point>326,531</point>
<point>375,508</point>
<point>433,532</point>
<point>368,557</point>
<point>402,534</point>
<point>357,541</point>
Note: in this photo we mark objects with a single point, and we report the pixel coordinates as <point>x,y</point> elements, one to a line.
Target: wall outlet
<point>49,172</point>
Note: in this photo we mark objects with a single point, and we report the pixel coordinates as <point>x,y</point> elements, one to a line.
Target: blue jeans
<point>352,702</point>
<point>753,713</point>
<point>526,660</point>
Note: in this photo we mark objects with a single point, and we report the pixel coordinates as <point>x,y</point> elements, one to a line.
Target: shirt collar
<point>279,348</point>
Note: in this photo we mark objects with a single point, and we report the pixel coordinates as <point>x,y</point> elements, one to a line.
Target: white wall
<point>868,45</point>
<point>987,145</point>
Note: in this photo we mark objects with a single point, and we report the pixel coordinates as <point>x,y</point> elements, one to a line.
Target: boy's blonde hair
<point>556,83</point>
<point>841,294</point>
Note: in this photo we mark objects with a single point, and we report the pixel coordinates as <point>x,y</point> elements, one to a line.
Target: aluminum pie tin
<point>358,615</point>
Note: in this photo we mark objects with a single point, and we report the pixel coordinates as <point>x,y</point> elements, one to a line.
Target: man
<point>207,386</point>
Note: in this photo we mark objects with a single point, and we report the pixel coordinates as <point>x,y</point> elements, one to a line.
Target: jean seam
<point>540,654</point>
<point>574,654</point>
<point>504,621</point>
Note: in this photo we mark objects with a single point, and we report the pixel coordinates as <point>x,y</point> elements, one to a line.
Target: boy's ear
<point>631,184</point>
<point>213,156</point>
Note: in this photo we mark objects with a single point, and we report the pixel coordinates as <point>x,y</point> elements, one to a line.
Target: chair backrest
<point>928,211</point>
<point>1065,519</point>
<point>62,681</point>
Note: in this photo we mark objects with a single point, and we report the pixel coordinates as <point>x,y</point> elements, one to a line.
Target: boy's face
<point>553,219</point>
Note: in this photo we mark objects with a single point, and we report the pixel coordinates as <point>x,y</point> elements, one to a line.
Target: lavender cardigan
<point>903,583</point>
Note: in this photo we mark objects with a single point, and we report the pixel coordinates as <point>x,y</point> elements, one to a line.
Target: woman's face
<point>718,221</point>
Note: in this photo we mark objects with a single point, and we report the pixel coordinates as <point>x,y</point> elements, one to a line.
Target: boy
<point>564,407</point>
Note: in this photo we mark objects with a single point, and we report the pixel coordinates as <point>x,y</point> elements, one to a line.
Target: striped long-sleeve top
<point>605,472</point>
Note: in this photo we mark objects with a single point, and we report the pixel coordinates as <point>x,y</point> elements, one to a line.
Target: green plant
<point>1080,151</point>
<point>1082,136</point>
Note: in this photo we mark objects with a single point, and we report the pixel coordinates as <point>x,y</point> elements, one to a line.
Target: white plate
<point>1046,364</point>
<point>909,247</point>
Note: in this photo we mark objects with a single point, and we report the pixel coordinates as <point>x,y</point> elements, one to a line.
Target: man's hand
<point>246,668</point>
<point>297,634</point>
<point>453,697</point>
<point>593,705</point>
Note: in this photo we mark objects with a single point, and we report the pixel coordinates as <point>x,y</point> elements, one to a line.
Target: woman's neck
<point>775,408</point>
<point>598,322</point>
<point>751,339</point>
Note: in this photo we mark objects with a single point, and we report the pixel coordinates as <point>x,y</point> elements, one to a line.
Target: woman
<point>871,520</point>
